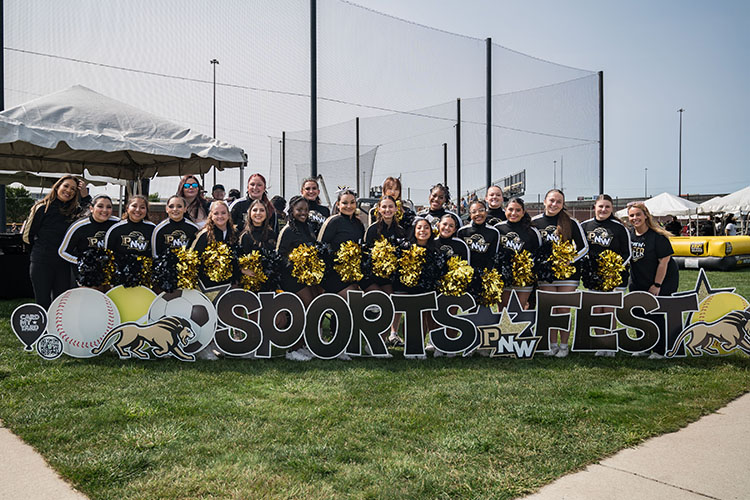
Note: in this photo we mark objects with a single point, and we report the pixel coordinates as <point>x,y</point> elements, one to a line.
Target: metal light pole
<point>214,62</point>
<point>554,174</point>
<point>645,182</point>
<point>679,172</point>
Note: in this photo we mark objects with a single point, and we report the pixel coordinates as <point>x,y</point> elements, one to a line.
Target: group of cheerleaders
<point>59,239</point>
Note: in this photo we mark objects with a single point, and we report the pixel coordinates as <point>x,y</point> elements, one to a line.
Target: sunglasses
<point>188,186</point>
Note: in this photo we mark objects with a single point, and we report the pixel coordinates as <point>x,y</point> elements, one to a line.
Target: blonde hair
<point>650,222</point>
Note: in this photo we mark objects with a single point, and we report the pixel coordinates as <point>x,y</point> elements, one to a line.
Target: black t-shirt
<point>608,234</point>
<point>518,237</point>
<point>127,237</point>
<point>82,235</point>
<point>373,233</point>
<point>648,248</point>
<point>256,240</point>
<point>495,216</point>
<point>482,241</point>
<point>169,234</point>
<point>238,209</point>
<point>339,229</point>
<point>454,247</point>
<point>547,226</point>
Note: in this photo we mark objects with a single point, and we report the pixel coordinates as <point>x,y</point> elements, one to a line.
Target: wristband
<point>657,285</point>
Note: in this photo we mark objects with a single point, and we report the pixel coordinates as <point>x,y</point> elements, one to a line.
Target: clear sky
<point>657,56</point>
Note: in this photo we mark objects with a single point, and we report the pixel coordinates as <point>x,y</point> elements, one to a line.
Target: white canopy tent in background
<point>665,204</point>
<point>77,129</point>
<point>736,202</point>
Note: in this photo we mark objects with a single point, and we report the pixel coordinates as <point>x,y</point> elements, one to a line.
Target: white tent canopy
<point>739,201</point>
<point>666,204</point>
<point>78,129</point>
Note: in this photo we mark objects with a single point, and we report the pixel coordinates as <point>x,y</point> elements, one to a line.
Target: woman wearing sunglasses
<point>197,205</point>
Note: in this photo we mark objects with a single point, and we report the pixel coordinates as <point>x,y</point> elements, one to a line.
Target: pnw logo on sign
<point>508,338</point>
<point>135,241</point>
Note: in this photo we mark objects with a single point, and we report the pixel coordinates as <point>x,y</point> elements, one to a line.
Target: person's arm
<point>661,273</point>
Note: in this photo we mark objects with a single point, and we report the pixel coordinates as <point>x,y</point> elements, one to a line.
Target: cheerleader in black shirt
<point>481,239</point>
<point>45,229</point>
<point>318,213</point>
<point>175,231</point>
<point>343,227</point>
<point>218,229</point>
<point>517,234</point>
<point>132,235</point>
<point>404,209</point>
<point>448,242</point>
<point>440,197</point>
<point>89,232</point>
<point>257,234</point>
<point>605,232</point>
<point>495,210</point>
<point>556,226</point>
<point>256,190</point>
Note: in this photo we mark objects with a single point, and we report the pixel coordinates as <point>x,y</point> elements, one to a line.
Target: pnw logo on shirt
<point>97,241</point>
<point>549,233</point>
<point>316,217</point>
<point>477,243</point>
<point>134,241</point>
<point>176,239</point>
<point>639,250</point>
<point>447,250</point>
<point>512,241</point>
<point>600,236</point>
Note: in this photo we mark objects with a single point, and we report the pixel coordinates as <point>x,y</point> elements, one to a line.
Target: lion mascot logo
<point>165,337</point>
<point>730,331</point>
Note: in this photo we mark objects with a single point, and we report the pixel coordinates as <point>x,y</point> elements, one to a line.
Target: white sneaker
<point>368,352</point>
<point>642,354</point>
<point>395,340</point>
<point>415,356</point>
<point>344,357</point>
<point>610,354</point>
<point>296,356</point>
<point>439,353</point>
<point>429,347</point>
<point>306,353</point>
<point>601,354</point>
<point>207,354</point>
<point>563,351</point>
<point>655,355</point>
<point>553,350</point>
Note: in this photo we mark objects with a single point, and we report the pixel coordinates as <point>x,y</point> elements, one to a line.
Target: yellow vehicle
<point>711,252</point>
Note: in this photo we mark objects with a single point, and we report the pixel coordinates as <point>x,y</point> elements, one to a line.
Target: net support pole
<point>356,131</point>
<point>458,154</point>
<point>3,217</point>
<point>445,163</point>
<point>313,90</point>
<point>488,105</point>
<point>283,164</point>
<point>601,132</point>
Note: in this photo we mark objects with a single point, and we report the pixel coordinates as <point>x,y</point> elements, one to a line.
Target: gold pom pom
<point>217,261</point>
<point>253,263</point>
<point>144,276</point>
<point>110,268</point>
<point>610,269</point>
<point>457,278</point>
<point>523,273</point>
<point>411,263</point>
<point>307,267</point>
<point>384,260</point>
<point>492,287</point>
<point>348,262</point>
<point>187,268</point>
<point>563,254</point>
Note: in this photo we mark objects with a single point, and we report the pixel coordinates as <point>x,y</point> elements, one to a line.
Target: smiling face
<point>478,213</point>
<point>175,209</point>
<point>387,209</point>
<point>494,197</point>
<point>219,215</point>
<point>447,227</point>
<point>67,190</point>
<point>347,204</point>
<point>102,209</point>
<point>310,190</point>
<point>422,232</point>
<point>190,188</point>
<point>300,211</point>
<point>255,187</point>
<point>637,218</point>
<point>137,210</point>
<point>553,203</point>
<point>437,199</point>
<point>602,209</point>
<point>514,211</point>
<point>257,214</point>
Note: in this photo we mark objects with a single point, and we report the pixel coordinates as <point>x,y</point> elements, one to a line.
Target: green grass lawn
<point>440,428</point>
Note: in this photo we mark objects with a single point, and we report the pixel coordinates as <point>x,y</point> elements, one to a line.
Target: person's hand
<point>83,189</point>
<point>654,290</point>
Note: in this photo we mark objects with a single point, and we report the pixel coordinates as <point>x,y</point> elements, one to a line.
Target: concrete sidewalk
<point>709,458</point>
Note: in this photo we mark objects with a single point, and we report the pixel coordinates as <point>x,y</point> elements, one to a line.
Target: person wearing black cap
<point>217,192</point>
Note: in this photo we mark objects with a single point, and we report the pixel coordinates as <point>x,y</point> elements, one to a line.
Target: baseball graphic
<point>716,306</point>
<point>81,318</point>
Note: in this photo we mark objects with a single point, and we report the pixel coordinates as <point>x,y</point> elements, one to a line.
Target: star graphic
<point>214,292</point>
<point>703,288</point>
<point>520,314</point>
<point>481,317</point>
<point>505,326</point>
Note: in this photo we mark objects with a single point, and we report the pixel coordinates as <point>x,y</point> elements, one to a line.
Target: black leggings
<point>50,279</point>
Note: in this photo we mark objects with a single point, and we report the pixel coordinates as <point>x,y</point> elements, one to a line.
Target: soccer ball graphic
<point>194,307</point>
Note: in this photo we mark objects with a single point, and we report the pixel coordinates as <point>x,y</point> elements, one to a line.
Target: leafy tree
<point>18,202</point>
<point>153,197</point>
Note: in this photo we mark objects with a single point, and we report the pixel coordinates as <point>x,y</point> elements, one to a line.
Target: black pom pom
<point>165,274</point>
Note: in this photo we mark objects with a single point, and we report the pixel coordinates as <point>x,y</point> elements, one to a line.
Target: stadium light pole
<point>214,62</point>
<point>679,164</point>
<point>554,174</point>
<point>645,182</point>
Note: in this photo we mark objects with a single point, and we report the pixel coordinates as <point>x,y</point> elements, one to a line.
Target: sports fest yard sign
<point>136,323</point>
